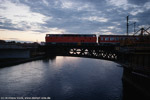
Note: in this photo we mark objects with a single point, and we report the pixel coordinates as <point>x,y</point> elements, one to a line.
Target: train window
<point>106,38</point>
<point>131,38</point>
<point>123,38</point>
<point>137,38</point>
<point>102,38</point>
<point>112,38</point>
<point>117,38</point>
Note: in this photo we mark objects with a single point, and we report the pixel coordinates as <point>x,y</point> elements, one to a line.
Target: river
<point>63,78</point>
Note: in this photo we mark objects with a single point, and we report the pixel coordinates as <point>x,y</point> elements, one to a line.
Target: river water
<point>63,78</point>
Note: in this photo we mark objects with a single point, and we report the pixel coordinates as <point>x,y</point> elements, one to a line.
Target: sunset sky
<point>30,20</point>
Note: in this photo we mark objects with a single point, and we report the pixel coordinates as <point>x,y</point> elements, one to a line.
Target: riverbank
<point>138,82</point>
<point>11,62</point>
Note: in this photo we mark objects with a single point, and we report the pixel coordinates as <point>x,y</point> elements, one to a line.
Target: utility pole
<point>142,31</point>
<point>134,26</point>
<point>127,24</point>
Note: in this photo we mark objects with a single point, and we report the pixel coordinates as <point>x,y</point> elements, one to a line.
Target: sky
<point>31,20</point>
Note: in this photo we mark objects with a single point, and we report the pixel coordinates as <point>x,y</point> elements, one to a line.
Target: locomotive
<point>73,39</point>
<point>87,39</point>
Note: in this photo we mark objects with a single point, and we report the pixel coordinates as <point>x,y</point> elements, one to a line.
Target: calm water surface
<point>63,78</point>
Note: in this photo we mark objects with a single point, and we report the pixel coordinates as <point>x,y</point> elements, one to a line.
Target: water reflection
<point>64,78</point>
<point>51,58</point>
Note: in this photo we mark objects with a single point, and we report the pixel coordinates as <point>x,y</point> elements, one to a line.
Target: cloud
<point>119,3</point>
<point>76,5</point>
<point>95,18</point>
<point>138,2</point>
<point>104,33</point>
<point>147,5</point>
<point>104,30</point>
<point>111,27</point>
<point>56,31</point>
<point>140,9</point>
<point>136,11</point>
<point>67,4</point>
<point>45,2</point>
<point>20,15</point>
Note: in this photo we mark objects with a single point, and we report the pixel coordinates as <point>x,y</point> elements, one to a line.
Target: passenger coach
<point>115,39</point>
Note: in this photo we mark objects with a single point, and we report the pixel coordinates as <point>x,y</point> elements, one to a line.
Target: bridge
<point>135,56</point>
<point>91,51</point>
<point>128,51</point>
<point>13,51</point>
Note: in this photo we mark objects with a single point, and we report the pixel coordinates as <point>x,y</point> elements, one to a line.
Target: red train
<point>86,39</point>
<point>70,38</point>
<point>116,39</point>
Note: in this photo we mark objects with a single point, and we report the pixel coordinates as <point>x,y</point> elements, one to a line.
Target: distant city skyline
<point>31,20</point>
